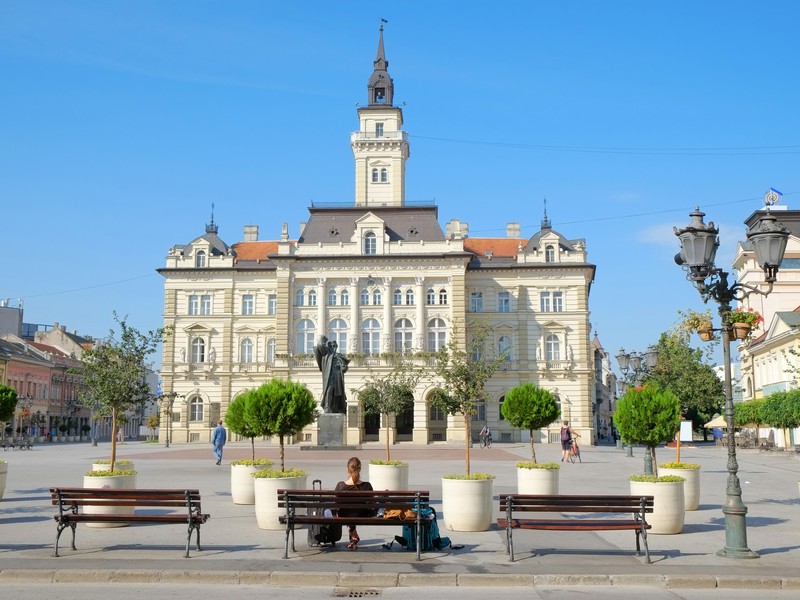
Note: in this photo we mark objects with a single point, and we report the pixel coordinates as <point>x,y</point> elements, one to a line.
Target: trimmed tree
<point>8,404</point>
<point>463,374</point>
<point>237,421</point>
<point>530,407</point>
<point>649,416</point>
<point>114,374</point>
<point>389,394</point>
<point>280,407</point>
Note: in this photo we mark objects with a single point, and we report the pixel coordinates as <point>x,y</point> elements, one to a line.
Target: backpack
<point>565,434</point>
<point>431,540</point>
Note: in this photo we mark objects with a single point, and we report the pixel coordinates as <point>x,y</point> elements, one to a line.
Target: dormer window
<point>370,243</point>
<point>550,253</point>
<point>200,259</point>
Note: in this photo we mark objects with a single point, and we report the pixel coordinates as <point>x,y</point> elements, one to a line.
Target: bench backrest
<point>376,499</point>
<point>605,504</point>
<point>124,497</point>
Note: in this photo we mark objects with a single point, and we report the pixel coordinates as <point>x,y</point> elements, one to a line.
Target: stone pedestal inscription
<point>331,429</point>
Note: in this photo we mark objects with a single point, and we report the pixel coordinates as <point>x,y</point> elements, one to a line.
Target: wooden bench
<point>70,501</point>
<point>636,506</point>
<point>297,502</point>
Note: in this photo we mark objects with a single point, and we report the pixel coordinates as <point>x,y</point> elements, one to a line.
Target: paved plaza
<point>235,550</point>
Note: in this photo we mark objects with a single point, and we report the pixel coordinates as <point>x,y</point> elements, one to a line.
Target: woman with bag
<point>351,484</point>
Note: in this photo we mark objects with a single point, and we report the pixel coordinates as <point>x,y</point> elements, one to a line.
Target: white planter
<point>3,473</point>
<point>242,483</point>
<point>668,506</point>
<point>467,504</point>
<point>691,487</point>
<point>537,481</point>
<point>120,465</point>
<point>266,499</point>
<point>113,482</point>
<point>388,477</point>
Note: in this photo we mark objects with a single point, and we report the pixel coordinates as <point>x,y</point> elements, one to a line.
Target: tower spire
<point>545,219</point>
<point>380,88</point>
<point>212,227</point>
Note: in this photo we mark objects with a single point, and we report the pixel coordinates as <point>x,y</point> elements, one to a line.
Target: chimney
<point>302,228</point>
<point>456,230</point>
<point>55,326</point>
<point>251,233</point>
<point>513,230</point>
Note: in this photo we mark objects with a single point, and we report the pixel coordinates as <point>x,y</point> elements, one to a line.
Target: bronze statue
<point>333,366</point>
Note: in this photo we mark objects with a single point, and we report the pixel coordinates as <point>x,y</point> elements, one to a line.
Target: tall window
<point>364,297</point>
<point>397,298</point>
<point>403,336</point>
<point>549,254</point>
<point>198,350</point>
<point>376,298</point>
<point>437,335</point>
<point>305,337</point>
<point>196,409</point>
<point>312,298</point>
<point>271,351</point>
<point>299,298</point>
<point>246,351</point>
<point>430,297</point>
<point>332,296</point>
<point>544,301</point>
<point>374,175</point>
<point>345,296</point>
<point>205,304</point>
<point>504,302</point>
<point>378,129</point>
<point>248,304</point>
<point>558,302</point>
<point>200,258</point>
<point>552,349</point>
<point>337,332</point>
<point>442,296</point>
<point>384,175</point>
<point>504,347</point>
<point>476,302</point>
<point>410,297</point>
<point>371,337</point>
<point>370,243</point>
<point>194,305</point>
<point>436,414</point>
<point>502,400</point>
<point>272,304</point>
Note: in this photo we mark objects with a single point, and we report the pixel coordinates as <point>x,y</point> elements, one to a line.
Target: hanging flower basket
<point>741,330</point>
<point>706,333</point>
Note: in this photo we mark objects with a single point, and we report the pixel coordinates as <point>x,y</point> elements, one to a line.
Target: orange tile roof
<point>497,246</point>
<point>254,250</point>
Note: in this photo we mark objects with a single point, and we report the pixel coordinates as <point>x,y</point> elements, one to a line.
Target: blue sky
<point>124,121</point>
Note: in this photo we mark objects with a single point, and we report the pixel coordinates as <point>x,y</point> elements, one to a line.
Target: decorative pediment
<point>197,328</point>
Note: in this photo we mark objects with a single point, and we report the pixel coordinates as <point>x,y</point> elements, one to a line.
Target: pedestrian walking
<point>218,439</point>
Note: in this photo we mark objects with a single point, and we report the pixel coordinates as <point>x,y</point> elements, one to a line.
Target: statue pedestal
<point>331,429</point>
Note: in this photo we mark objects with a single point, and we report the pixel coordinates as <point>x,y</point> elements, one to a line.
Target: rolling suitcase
<point>320,535</point>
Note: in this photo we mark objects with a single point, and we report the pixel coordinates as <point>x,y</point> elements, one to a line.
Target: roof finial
<point>212,227</point>
<point>545,220</point>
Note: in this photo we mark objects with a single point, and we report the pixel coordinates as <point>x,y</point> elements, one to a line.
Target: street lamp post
<point>633,369</point>
<point>699,242</point>
<point>166,401</point>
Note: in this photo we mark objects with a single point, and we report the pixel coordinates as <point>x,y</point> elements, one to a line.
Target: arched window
<point>305,337</point>
<point>246,351</point>
<point>271,351</point>
<point>312,298</point>
<point>430,297</point>
<point>371,337</point>
<point>500,403</point>
<point>198,350</point>
<point>504,347</point>
<point>299,298</point>
<point>337,332</point>
<point>370,243</point>
<point>345,296</point>
<point>403,336</point>
<point>437,335</point>
<point>364,297</point>
<point>377,299</point>
<point>397,298</point>
<point>196,409</point>
<point>552,350</point>
<point>374,175</point>
<point>384,175</point>
<point>331,297</point>
<point>410,297</point>
<point>200,258</point>
<point>549,253</point>
<point>442,296</point>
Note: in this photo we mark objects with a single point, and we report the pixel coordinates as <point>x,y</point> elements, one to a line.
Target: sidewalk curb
<point>389,580</point>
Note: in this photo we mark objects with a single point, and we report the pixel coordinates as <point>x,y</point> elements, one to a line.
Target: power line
<point>90,287</point>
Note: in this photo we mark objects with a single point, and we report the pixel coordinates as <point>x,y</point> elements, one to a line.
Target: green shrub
<point>551,466</point>
<point>473,476</point>
<point>678,465</point>
<point>253,462</point>
<point>655,479</point>
<point>278,474</point>
<point>390,463</point>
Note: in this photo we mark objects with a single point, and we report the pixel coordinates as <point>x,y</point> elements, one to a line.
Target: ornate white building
<point>381,277</point>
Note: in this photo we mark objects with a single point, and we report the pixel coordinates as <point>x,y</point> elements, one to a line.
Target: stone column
<point>355,325</point>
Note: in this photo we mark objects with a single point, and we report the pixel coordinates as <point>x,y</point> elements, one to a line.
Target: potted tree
<point>650,416</point>
<point>242,482</point>
<point>114,376</point>
<point>463,373</point>
<point>63,428</point>
<point>530,407</point>
<point>8,404</point>
<point>389,395</point>
<point>85,429</point>
<point>282,408</point>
